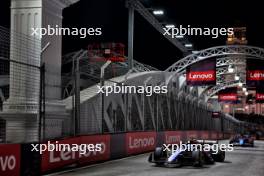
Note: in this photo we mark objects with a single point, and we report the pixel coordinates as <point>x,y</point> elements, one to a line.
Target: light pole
<point>42,120</point>
<point>130,36</point>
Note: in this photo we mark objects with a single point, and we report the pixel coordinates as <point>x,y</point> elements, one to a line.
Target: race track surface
<point>244,161</point>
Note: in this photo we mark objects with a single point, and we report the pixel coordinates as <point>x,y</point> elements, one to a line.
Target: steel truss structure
<point>213,90</point>
<point>139,112</point>
<point>223,64</point>
<point>225,56</point>
<point>90,70</point>
<point>226,50</point>
<point>181,108</point>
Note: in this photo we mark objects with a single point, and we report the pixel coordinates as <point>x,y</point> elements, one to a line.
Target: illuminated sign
<point>201,73</point>
<point>255,73</point>
<point>228,95</point>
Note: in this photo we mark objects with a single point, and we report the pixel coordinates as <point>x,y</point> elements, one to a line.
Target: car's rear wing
<point>202,141</point>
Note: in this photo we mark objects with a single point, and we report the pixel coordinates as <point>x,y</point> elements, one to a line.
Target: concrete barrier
<point>18,159</point>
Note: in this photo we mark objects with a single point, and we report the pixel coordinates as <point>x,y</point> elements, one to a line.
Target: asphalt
<point>244,161</point>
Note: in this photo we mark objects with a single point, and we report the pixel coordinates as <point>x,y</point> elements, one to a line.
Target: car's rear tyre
<point>159,164</point>
<point>219,156</point>
<point>158,153</point>
<point>208,159</point>
<point>198,158</point>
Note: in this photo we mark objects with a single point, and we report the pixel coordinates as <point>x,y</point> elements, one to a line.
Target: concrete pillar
<point>21,109</point>
<point>24,80</point>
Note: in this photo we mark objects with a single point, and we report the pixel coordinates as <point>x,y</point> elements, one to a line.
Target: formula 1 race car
<point>219,156</point>
<point>181,157</point>
<point>242,140</point>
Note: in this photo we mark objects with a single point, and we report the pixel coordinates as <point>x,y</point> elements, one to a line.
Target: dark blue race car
<point>181,157</point>
<point>242,140</point>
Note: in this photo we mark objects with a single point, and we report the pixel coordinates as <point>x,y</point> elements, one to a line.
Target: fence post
<point>43,100</point>
<point>77,97</point>
<point>157,112</point>
<point>40,105</point>
<point>102,77</point>
<point>42,124</point>
<point>42,120</point>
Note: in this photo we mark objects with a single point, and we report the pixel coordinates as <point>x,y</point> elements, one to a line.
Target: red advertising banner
<point>202,73</point>
<point>220,135</point>
<point>173,137</point>
<point>204,135</point>
<point>214,135</point>
<point>56,159</point>
<point>102,142</point>
<point>201,76</point>
<point>10,159</point>
<point>140,142</point>
<point>192,135</point>
<point>255,73</point>
<point>228,95</point>
<point>260,95</point>
<point>84,149</point>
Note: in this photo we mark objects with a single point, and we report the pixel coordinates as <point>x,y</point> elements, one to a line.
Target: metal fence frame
<point>176,110</point>
<point>19,65</point>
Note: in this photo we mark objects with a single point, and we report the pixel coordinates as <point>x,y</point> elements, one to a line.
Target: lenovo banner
<point>214,135</point>
<point>192,135</point>
<point>204,135</point>
<point>140,142</point>
<point>255,73</point>
<point>84,149</point>
<point>58,158</point>
<point>220,135</point>
<point>10,159</point>
<point>202,73</point>
<point>260,95</point>
<point>173,137</point>
<point>101,144</point>
<point>228,95</point>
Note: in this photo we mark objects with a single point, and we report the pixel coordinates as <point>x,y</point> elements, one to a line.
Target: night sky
<point>150,46</point>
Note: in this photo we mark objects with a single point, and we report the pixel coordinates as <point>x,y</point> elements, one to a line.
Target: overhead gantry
<point>225,56</point>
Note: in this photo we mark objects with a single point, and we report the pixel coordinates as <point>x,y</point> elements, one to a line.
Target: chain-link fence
<point>98,113</point>
<point>23,97</point>
<point>20,86</point>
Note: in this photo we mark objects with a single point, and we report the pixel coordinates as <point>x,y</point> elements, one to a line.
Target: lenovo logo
<point>228,97</point>
<point>256,75</point>
<point>201,76</point>
<point>259,96</point>
<point>172,139</point>
<point>95,152</point>
<point>66,155</point>
<point>7,162</point>
<point>141,142</point>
